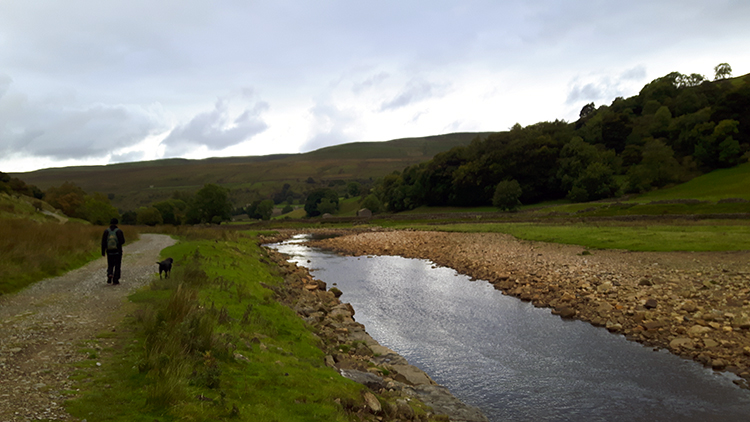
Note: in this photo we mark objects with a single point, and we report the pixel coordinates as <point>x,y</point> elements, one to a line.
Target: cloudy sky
<point>97,82</point>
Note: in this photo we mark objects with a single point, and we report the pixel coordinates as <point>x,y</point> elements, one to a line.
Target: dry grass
<point>31,251</point>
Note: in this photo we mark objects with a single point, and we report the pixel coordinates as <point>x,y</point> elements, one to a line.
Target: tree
<point>353,189</point>
<point>587,110</point>
<point>264,210</point>
<point>596,182</point>
<point>506,195</point>
<point>68,197</point>
<point>720,149</point>
<point>315,198</point>
<point>97,209</point>
<point>722,71</point>
<point>148,216</point>
<point>210,204</point>
<point>657,168</point>
<point>372,203</point>
<point>172,211</point>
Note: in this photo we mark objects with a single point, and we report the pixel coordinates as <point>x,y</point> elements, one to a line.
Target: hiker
<point>112,242</point>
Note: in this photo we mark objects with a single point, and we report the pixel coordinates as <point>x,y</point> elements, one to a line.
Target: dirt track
<point>694,304</point>
<point>42,327</point>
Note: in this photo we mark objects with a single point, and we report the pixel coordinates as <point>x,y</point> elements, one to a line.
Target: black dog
<point>165,267</point>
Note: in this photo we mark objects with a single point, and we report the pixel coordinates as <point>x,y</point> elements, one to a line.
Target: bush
<point>506,195</point>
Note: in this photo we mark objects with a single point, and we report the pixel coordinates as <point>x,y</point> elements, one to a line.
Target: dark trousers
<point>114,261</point>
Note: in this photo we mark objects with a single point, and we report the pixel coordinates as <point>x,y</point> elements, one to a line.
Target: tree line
<point>677,127</point>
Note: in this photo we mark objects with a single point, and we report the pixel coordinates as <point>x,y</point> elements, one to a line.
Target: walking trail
<point>42,327</point>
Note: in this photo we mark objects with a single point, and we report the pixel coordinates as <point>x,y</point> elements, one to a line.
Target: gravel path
<point>42,326</point>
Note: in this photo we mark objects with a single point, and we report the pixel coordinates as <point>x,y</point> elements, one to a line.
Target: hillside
<point>134,184</point>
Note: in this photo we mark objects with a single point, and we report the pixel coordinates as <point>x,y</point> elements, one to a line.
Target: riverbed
<point>512,360</point>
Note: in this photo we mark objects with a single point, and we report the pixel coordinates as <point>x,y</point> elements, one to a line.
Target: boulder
<point>372,402</point>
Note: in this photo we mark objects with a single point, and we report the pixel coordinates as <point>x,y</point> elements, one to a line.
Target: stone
<point>645,282</point>
<point>689,306</point>
<point>709,343</point>
<point>566,312</point>
<point>605,287</point>
<point>372,402</point>
<point>699,329</point>
<point>651,303</point>
<point>718,364</point>
<point>682,342</point>
<point>604,308</point>
<point>413,375</point>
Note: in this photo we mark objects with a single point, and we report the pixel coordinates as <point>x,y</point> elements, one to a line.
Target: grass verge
<point>211,344</point>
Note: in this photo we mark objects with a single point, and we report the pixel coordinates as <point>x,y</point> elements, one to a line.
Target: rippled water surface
<point>512,360</point>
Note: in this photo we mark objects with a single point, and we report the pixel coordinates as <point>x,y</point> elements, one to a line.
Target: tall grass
<point>31,251</point>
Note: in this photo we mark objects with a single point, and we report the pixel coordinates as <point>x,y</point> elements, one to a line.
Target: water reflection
<point>514,361</point>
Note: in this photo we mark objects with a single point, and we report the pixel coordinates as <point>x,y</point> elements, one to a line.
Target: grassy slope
<point>719,184</point>
<point>34,246</point>
<point>280,376</point>
<point>146,182</point>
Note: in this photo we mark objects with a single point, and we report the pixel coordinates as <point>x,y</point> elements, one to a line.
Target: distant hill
<point>131,185</point>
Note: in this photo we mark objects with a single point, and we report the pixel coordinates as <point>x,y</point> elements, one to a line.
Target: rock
<point>371,381</point>
<point>330,362</point>
<point>718,364</point>
<point>605,287</point>
<point>742,323</point>
<point>645,282</point>
<point>413,375</point>
<point>651,303</point>
<point>372,402</point>
<point>689,306</point>
<point>404,410</point>
<point>699,330</point>
<point>604,308</point>
<point>709,343</point>
<point>734,302</point>
<point>566,312</point>
<point>682,342</point>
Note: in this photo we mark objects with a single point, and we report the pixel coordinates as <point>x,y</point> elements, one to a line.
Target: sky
<point>97,82</point>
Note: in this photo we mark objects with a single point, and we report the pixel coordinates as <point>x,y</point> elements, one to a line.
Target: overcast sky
<point>97,82</point>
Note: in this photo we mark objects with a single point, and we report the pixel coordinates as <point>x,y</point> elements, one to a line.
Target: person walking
<point>112,241</point>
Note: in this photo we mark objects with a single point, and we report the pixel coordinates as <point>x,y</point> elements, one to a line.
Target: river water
<point>512,360</point>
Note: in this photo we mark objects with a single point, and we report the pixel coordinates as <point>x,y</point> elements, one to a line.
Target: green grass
<point>178,356</point>
<point>711,236</point>
<point>719,184</point>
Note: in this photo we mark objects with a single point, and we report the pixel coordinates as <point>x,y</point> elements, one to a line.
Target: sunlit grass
<point>712,236</point>
<point>212,343</point>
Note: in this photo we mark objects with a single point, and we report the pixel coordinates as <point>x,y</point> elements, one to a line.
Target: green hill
<point>714,186</point>
<point>131,185</point>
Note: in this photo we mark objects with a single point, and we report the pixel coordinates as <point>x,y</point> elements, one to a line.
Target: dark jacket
<point>120,238</point>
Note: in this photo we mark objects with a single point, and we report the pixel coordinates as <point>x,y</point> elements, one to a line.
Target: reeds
<point>31,251</point>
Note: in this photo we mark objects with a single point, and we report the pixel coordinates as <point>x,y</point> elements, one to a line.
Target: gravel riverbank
<point>693,303</point>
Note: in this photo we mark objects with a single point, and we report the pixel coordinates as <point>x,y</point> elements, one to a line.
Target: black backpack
<point>112,241</point>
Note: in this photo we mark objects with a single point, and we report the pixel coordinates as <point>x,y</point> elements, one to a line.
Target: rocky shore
<point>693,303</point>
<point>398,391</point>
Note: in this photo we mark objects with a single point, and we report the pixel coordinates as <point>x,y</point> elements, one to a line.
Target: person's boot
<point>109,278</point>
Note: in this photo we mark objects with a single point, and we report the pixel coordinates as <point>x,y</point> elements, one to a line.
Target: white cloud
<point>60,128</point>
<point>220,128</point>
<point>415,91</point>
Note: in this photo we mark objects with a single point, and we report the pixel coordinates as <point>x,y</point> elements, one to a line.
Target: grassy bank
<point>210,344</point>
<point>642,236</point>
<point>31,251</point>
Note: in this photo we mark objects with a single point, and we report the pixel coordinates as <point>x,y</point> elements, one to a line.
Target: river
<point>514,361</point>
